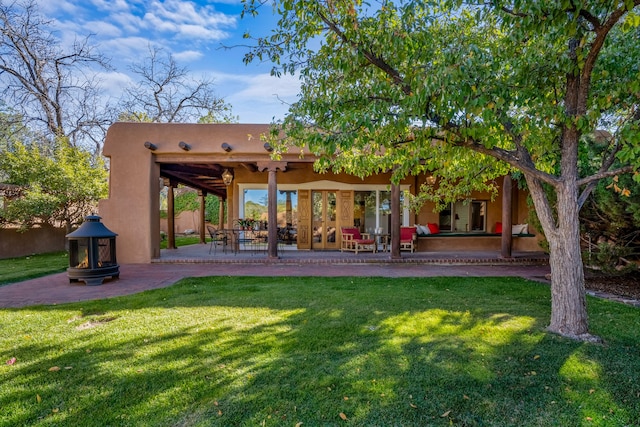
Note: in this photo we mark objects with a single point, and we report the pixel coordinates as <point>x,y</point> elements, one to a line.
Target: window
<point>364,210</point>
<point>256,202</point>
<point>372,210</point>
<point>464,217</point>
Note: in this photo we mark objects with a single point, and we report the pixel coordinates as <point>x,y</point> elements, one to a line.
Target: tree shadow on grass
<point>278,351</point>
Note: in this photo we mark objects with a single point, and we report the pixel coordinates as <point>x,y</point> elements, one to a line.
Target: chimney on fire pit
<point>92,253</point>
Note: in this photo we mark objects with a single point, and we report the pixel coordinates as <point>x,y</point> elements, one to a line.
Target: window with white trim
<point>466,216</point>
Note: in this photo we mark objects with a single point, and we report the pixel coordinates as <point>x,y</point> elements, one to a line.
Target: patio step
<point>538,259</point>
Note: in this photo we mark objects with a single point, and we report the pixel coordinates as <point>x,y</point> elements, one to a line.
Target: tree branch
<point>374,59</point>
<point>605,174</point>
<point>602,31</point>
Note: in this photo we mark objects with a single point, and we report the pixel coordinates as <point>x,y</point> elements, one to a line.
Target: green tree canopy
<point>58,189</point>
<point>469,91</point>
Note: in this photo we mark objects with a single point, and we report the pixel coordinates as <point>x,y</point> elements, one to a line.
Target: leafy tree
<point>188,200</point>
<point>53,89</point>
<point>12,129</point>
<point>470,91</point>
<point>255,210</point>
<point>164,94</point>
<point>611,225</point>
<point>62,188</point>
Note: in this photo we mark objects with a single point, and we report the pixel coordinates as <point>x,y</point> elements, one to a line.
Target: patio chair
<point>353,240</point>
<point>218,237</point>
<point>408,237</point>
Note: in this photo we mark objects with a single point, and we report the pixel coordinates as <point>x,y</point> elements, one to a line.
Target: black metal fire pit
<point>92,253</point>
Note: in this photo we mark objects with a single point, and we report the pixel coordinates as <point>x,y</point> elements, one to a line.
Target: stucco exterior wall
<point>187,220</point>
<point>15,243</point>
<point>132,209</point>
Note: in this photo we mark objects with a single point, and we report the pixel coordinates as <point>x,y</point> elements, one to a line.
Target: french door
<point>324,219</point>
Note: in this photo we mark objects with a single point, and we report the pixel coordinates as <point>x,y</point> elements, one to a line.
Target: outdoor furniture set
<point>354,241</point>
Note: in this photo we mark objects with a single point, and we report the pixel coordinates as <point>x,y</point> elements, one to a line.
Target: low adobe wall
<point>15,243</point>
<point>187,220</point>
<point>481,242</point>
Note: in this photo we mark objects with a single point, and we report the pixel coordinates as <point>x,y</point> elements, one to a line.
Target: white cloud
<point>190,30</point>
<point>126,50</point>
<point>102,28</point>
<point>188,55</point>
<point>130,24</point>
<point>265,86</point>
<point>49,8</point>
<point>196,31</point>
<point>113,6</point>
<point>258,98</point>
<point>185,21</point>
<point>179,11</point>
<point>113,83</point>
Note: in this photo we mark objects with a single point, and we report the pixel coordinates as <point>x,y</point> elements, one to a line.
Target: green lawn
<point>23,268</point>
<point>247,351</point>
<point>182,241</point>
<point>28,267</point>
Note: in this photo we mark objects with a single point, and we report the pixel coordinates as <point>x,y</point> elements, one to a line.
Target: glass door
<point>324,220</point>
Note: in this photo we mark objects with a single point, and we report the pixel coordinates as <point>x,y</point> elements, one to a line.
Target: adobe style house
<point>144,157</point>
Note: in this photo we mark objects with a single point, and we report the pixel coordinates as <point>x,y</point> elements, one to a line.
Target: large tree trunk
<point>562,227</point>
<point>568,300</point>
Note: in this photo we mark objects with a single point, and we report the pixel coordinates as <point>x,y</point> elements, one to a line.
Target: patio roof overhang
<point>196,155</point>
<point>202,177</point>
<point>207,176</point>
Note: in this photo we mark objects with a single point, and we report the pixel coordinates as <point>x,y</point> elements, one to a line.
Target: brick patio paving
<point>195,261</point>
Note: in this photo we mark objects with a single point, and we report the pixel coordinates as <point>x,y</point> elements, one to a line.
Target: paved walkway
<point>195,261</point>
<point>190,262</point>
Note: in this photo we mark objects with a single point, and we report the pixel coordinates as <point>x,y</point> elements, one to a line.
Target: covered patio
<point>233,163</point>
<point>199,253</point>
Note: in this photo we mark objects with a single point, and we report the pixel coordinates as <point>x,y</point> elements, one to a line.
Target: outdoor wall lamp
<point>184,146</point>
<point>151,146</point>
<point>431,180</point>
<point>268,147</point>
<point>226,147</point>
<point>227,177</point>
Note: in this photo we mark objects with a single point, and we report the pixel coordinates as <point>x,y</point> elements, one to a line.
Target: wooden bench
<point>469,241</point>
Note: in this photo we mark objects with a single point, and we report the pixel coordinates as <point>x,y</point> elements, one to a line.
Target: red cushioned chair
<point>408,237</point>
<point>353,240</point>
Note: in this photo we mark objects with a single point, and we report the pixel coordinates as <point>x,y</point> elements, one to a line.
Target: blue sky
<point>194,32</point>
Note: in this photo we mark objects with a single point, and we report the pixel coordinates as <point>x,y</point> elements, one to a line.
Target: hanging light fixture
<point>227,177</point>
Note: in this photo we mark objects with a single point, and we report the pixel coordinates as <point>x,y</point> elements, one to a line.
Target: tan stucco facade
<point>141,153</point>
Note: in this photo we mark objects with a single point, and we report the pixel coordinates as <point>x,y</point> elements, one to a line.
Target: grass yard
<point>28,267</point>
<point>23,268</point>
<point>247,351</point>
<point>182,241</point>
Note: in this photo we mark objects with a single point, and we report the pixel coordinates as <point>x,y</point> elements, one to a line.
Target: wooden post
<point>171,236</point>
<point>221,203</point>
<point>229,206</point>
<point>506,239</point>
<point>395,221</point>
<point>272,215</point>
<point>272,202</point>
<point>202,196</point>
